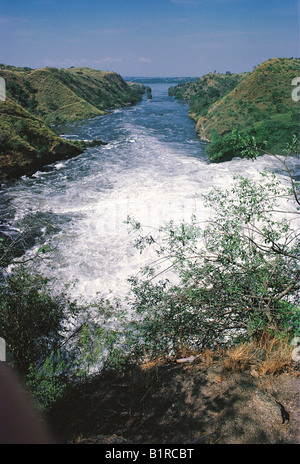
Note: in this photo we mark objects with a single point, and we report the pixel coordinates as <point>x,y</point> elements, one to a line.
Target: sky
<point>148,37</point>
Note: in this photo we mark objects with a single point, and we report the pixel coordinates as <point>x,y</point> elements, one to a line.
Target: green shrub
<point>271,135</point>
<point>48,380</point>
<point>31,318</point>
<point>234,278</point>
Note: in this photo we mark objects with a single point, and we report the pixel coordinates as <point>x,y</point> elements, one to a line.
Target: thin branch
<point>288,171</point>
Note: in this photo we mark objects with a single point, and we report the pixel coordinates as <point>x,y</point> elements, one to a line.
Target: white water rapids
<point>153,169</point>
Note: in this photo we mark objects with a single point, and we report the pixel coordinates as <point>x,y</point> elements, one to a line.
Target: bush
<point>232,280</point>
<point>48,380</point>
<point>32,320</point>
<point>269,135</point>
<point>221,148</point>
<point>51,341</point>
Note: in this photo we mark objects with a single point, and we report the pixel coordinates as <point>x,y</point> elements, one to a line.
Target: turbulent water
<point>153,168</point>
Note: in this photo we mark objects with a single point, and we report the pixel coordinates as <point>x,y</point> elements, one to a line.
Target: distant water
<point>153,168</point>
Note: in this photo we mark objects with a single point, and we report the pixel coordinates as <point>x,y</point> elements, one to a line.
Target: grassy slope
<point>257,103</point>
<point>260,105</point>
<point>205,91</point>
<point>39,97</point>
<point>61,95</point>
<point>26,143</point>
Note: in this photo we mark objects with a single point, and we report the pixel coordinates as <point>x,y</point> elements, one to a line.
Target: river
<point>153,168</point>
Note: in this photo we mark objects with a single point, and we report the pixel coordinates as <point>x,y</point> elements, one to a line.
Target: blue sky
<point>148,37</point>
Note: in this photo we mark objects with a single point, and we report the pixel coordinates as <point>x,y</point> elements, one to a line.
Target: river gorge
<point>153,168</point>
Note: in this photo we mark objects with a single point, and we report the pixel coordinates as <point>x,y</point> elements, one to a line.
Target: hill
<point>37,98</point>
<point>160,80</point>
<point>62,95</point>
<point>260,105</point>
<point>205,91</point>
<point>26,143</point>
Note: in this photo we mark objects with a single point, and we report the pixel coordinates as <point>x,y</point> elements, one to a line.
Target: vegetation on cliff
<point>205,91</point>
<point>62,95</point>
<point>37,98</point>
<point>26,143</point>
<point>259,106</point>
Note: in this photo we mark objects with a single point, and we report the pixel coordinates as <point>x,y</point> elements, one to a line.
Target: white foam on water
<point>96,248</point>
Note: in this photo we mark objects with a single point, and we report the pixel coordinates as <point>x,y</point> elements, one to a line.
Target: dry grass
<point>278,355</point>
<point>239,357</point>
<point>267,355</point>
<point>207,357</point>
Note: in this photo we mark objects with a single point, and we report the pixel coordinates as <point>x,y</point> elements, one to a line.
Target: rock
<point>186,360</point>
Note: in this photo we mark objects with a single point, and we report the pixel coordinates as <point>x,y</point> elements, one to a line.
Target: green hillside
<point>37,98</point>
<point>205,91</point>
<point>62,95</point>
<point>260,105</point>
<point>26,143</point>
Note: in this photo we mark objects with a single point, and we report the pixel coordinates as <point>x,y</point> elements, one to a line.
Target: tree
<point>32,320</point>
<point>233,278</point>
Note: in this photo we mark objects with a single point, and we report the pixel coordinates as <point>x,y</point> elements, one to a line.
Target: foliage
<point>245,143</point>
<point>232,145</point>
<point>26,143</point>
<point>51,340</point>
<point>96,344</point>
<point>261,106</point>
<point>205,91</point>
<point>48,380</point>
<point>32,320</point>
<point>258,104</point>
<point>38,98</point>
<point>61,95</point>
<point>237,276</point>
<point>222,148</point>
<point>201,102</point>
